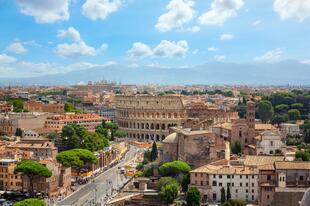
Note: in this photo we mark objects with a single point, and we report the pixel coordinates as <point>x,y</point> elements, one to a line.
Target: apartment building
<point>89,121</point>
<point>38,106</point>
<point>9,181</point>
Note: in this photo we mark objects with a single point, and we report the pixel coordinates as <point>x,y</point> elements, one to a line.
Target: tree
<point>265,110</point>
<point>236,148</point>
<point>30,202</point>
<point>169,192</point>
<point>223,196</point>
<point>297,106</point>
<point>120,133</point>
<point>100,129</point>
<point>71,108</point>
<point>232,202</point>
<point>185,181</point>
<point>33,170</point>
<point>112,127</point>
<point>282,108</point>
<point>174,168</point>
<point>163,181</point>
<point>76,136</point>
<point>228,196</point>
<point>193,196</point>
<point>154,152</point>
<point>76,157</point>
<point>279,118</point>
<point>18,132</point>
<point>293,114</point>
<point>306,131</point>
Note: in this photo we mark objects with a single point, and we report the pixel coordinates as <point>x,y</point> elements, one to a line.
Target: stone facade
<point>89,121</point>
<point>37,106</point>
<point>149,117</point>
<point>194,147</point>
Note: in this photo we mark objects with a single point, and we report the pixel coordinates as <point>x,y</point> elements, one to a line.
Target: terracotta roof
<point>226,169</point>
<point>295,165</point>
<point>256,160</point>
<point>260,126</point>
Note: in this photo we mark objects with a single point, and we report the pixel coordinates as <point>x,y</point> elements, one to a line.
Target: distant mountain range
<point>281,73</point>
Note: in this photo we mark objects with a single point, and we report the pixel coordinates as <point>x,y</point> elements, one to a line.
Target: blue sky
<point>53,36</point>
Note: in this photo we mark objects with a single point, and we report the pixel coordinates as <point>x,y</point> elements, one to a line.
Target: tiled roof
<point>295,165</point>
<point>256,160</point>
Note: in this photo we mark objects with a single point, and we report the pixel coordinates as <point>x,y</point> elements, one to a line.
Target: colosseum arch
<point>152,126</point>
<point>157,126</point>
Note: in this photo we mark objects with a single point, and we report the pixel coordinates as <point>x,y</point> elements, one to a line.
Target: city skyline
<point>63,36</point>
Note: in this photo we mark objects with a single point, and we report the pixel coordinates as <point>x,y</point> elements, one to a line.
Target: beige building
<point>269,143</point>
<point>9,181</point>
<point>37,106</point>
<point>89,121</point>
<point>40,148</point>
<point>194,147</point>
<point>145,117</point>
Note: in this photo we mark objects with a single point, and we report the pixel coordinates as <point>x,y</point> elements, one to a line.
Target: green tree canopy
<point>163,181</point>
<point>223,195</point>
<point>174,168</point>
<point>76,136</point>
<point>71,108</point>
<point>154,152</point>
<point>293,114</point>
<point>265,110</point>
<point>282,108</point>
<point>30,202</point>
<point>279,118</point>
<point>169,193</point>
<point>236,148</point>
<point>32,170</point>
<point>193,196</point>
<point>76,157</point>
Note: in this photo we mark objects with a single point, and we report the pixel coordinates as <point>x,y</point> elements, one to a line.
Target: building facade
<point>37,106</point>
<point>146,117</point>
<point>89,121</point>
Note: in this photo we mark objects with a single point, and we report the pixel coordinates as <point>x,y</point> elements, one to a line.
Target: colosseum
<point>146,117</point>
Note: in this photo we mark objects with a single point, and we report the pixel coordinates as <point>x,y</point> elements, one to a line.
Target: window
<point>232,177</point>
<point>228,184</point>
<point>220,176</point>
<point>301,178</point>
<point>214,176</point>
<point>268,177</point>
<point>252,191</point>
<point>252,176</point>
<point>228,176</point>
<point>252,197</point>
<point>246,184</point>
<point>220,184</point>
<point>214,183</point>
<point>252,184</point>
<point>195,174</point>
<point>214,196</point>
<point>240,184</point>
<point>267,196</point>
<point>236,190</point>
<point>232,184</point>
<point>240,176</point>
<point>201,183</point>
<point>247,176</point>
<point>246,191</point>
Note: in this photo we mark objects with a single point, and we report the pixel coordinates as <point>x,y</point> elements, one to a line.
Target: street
<point>97,191</point>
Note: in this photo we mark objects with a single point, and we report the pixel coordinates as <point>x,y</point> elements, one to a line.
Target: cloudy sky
<point>41,37</point>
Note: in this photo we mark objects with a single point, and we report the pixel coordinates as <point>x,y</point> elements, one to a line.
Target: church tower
<point>250,119</point>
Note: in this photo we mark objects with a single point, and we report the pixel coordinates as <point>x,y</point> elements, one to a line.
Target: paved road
<point>97,190</point>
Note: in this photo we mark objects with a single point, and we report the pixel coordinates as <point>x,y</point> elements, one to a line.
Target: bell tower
<point>250,119</point>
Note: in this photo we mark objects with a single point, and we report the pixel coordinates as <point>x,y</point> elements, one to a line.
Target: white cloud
<point>75,49</point>
<point>100,9</point>
<point>270,56</point>
<point>307,61</point>
<point>45,11</point>
<point>212,49</point>
<point>257,22</point>
<point>17,48</point>
<point>219,57</point>
<point>165,48</point>
<point>221,11</point>
<point>171,49</point>
<point>139,50</point>
<point>299,9</point>
<point>78,48</point>
<point>5,59</point>
<point>179,13</point>
<point>226,37</point>
<point>32,43</point>
<point>70,33</point>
